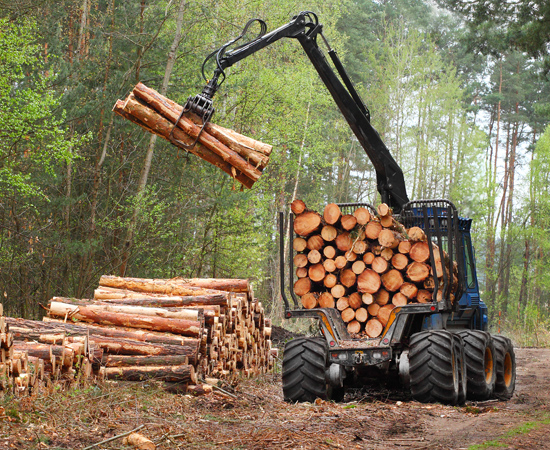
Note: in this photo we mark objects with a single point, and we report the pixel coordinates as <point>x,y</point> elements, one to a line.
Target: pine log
<point>300,260</point>
<point>301,272</point>
<point>384,313</point>
<point>348,315</point>
<point>299,244</point>
<point>348,278</point>
<point>130,360</point>
<point>361,315</point>
<point>330,280</point>
<point>400,261</point>
<point>331,213</point>
<point>329,233</point>
<point>360,247</point>
<point>307,223</point>
<point>338,291</point>
<point>416,234</point>
<point>354,327</point>
<point>317,273</point>
<point>373,229</point>
<point>424,296</point>
<point>367,299</point>
<point>399,299</point>
<point>314,256</point>
<point>350,256</point>
<point>417,271</point>
<point>389,238</point>
<point>342,303</point>
<point>379,265</point>
<point>382,297</point>
<point>298,206</point>
<point>181,373</point>
<point>309,300</point>
<point>326,300</point>
<point>348,222</point>
<point>329,252</point>
<point>369,281</point>
<point>178,326</point>
<point>340,262</point>
<point>358,267</point>
<point>383,209</point>
<point>386,253</point>
<point>368,258</point>
<point>409,290</point>
<point>315,242</point>
<point>343,242</point>
<point>329,265</point>
<point>302,286</point>
<point>176,286</point>
<point>362,215</point>
<point>392,280</point>
<point>354,300</point>
<point>137,348</point>
<point>420,252</point>
<point>404,247</point>
<point>373,328</point>
<point>148,119</point>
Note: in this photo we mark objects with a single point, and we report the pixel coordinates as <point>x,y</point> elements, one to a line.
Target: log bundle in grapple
<point>177,331</point>
<point>241,157</point>
<point>364,264</point>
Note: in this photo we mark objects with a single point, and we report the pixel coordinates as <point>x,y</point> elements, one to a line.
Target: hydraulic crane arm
<point>305,28</point>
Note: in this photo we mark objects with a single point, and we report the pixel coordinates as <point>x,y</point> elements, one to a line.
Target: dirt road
<point>257,418</point>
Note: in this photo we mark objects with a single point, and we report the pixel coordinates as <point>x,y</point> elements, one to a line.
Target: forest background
<point>458,92</point>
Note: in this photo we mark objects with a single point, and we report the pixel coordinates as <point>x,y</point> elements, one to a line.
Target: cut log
<point>424,296</point>
<point>178,326</point>
<point>383,209</point>
<point>329,265</point>
<point>369,281</point>
<point>358,267</point>
<point>181,373</point>
<point>368,299</point>
<point>300,260</point>
<point>360,247</point>
<point>386,253</point>
<point>379,265</point>
<point>329,233</point>
<point>368,258</point>
<point>420,252</point>
<point>392,280</point>
<point>314,256</point>
<point>329,252</point>
<point>373,229</point>
<point>340,262</point>
<point>330,280</point>
<point>302,286</point>
<point>348,315</point>
<point>301,272</point>
<point>309,300</point>
<point>350,256</point>
<point>362,215</point>
<point>354,327</point>
<point>373,328</point>
<point>382,297</point>
<point>409,290</point>
<point>331,213</point>
<point>343,242</point>
<point>416,234</point>
<point>348,278</point>
<point>399,299</point>
<point>384,313</point>
<point>299,244</point>
<point>404,247</point>
<point>326,300</point>
<point>387,221</point>
<point>342,303</point>
<point>129,360</point>
<point>399,261</point>
<point>298,206</point>
<point>348,222</point>
<point>354,300</point>
<point>307,223</point>
<point>389,238</point>
<point>417,271</point>
<point>361,315</point>
<point>317,273</point>
<point>338,291</point>
<point>315,242</point>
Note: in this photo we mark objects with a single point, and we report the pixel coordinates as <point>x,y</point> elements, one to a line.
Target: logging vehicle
<point>439,348</point>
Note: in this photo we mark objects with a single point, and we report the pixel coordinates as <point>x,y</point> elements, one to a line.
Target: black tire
<point>479,351</point>
<point>304,365</point>
<point>433,367</point>
<point>462,370</point>
<point>505,367</point>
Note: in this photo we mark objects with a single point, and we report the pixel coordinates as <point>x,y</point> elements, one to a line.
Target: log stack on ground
<point>241,157</point>
<point>176,331</point>
<point>364,264</point>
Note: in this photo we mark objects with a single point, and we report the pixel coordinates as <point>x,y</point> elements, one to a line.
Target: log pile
<point>169,330</point>
<point>241,157</point>
<point>363,264</point>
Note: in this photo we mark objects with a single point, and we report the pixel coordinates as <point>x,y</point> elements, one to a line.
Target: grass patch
<point>524,428</point>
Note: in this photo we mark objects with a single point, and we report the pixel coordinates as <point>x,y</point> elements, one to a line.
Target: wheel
<point>505,367</point>
<point>304,364</point>
<point>462,374</point>
<point>479,351</point>
<point>434,367</point>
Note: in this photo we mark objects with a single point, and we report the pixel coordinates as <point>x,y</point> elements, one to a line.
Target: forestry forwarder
<point>441,349</point>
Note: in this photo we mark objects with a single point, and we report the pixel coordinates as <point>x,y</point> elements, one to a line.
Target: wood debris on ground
<point>178,331</point>
<point>364,264</point>
<point>242,157</point>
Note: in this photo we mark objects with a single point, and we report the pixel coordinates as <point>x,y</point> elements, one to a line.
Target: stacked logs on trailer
<point>241,157</point>
<point>362,264</point>
<point>176,330</point>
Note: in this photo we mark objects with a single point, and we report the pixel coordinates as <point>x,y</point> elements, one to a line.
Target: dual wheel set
<point>439,366</point>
